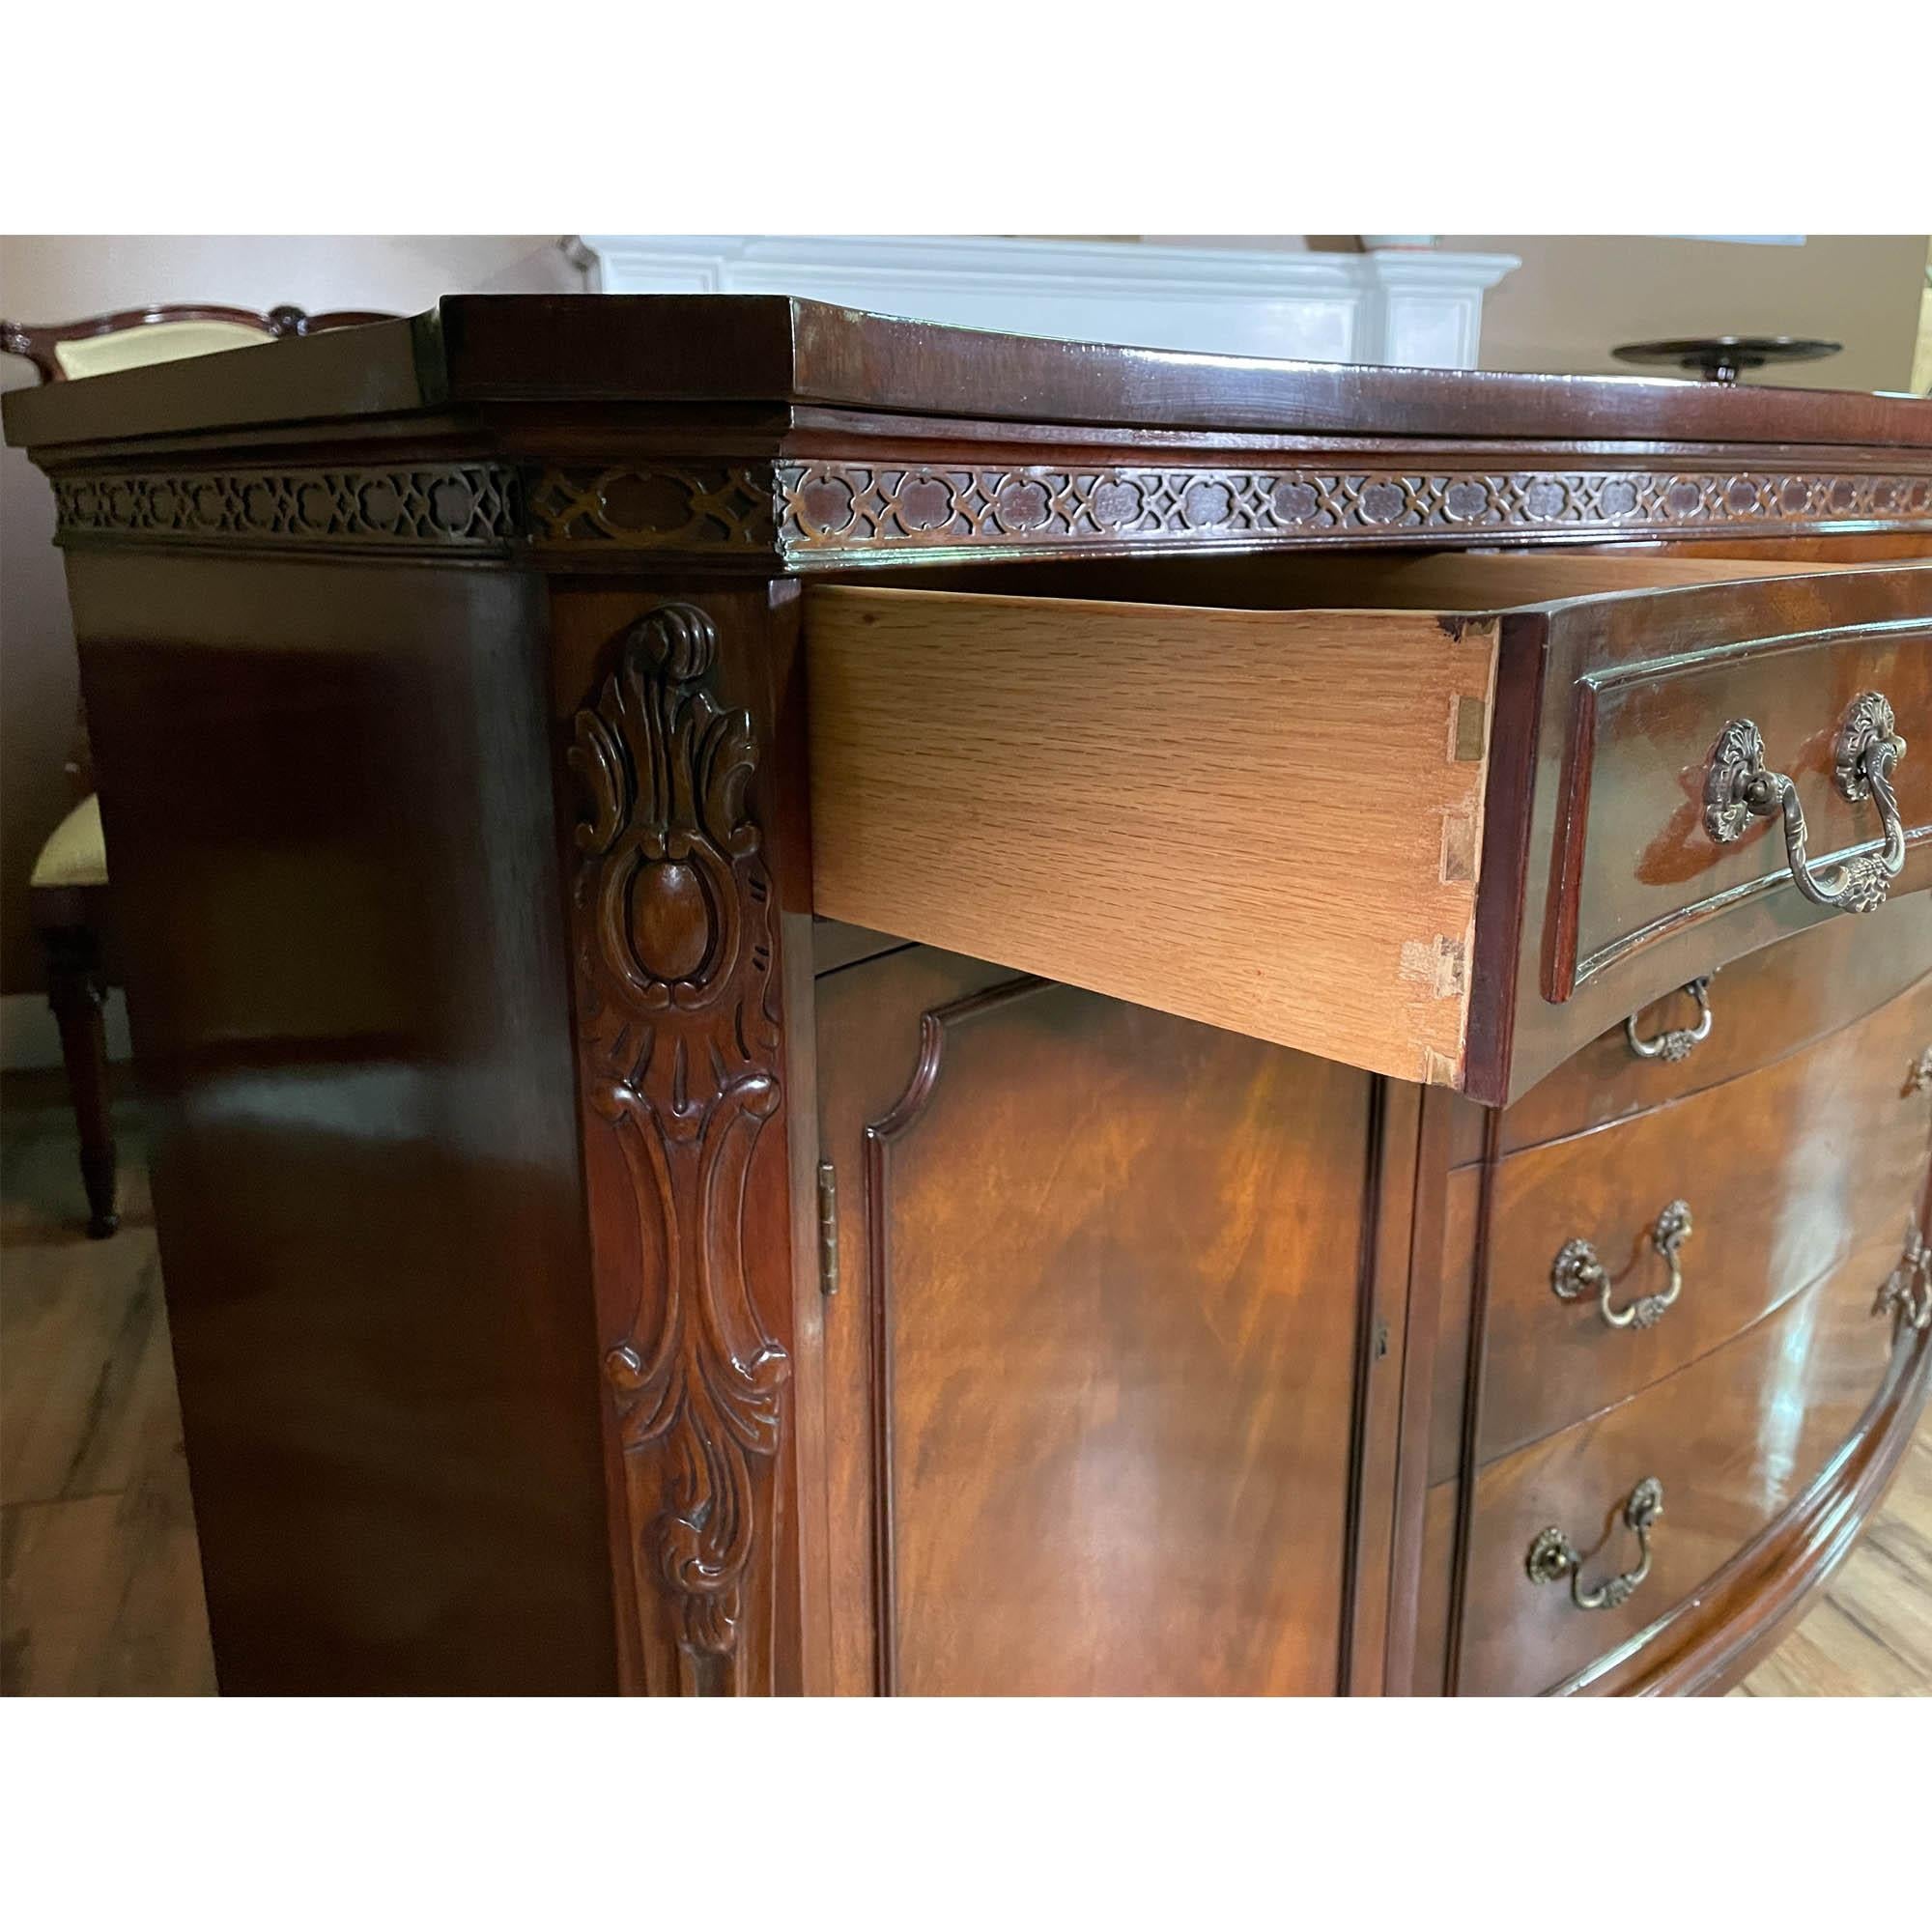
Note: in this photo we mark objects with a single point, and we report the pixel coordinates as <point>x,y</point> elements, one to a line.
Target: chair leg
<point>77,997</point>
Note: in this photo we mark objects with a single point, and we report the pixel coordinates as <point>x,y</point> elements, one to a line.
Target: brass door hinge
<point>828,1229</point>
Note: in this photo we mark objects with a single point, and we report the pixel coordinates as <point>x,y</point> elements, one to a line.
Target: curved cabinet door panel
<point>1734,1439</point>
<point>1092,1358</point>
<point>1785,1172</point>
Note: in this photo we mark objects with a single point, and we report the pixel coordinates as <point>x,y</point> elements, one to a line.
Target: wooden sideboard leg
<point>685,852</point>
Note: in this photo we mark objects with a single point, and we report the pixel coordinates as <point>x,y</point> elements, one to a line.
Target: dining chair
<point>69,888</point>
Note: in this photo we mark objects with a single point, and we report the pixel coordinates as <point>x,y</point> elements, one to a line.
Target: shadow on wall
<point>60,278</point>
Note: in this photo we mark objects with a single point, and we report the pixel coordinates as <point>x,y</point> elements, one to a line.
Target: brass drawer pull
<point>1676,1044</point>
<point>1906,1293</point>
<point>1738,788</point>
<point>1553,1556</point>
<point>1577,1273</point>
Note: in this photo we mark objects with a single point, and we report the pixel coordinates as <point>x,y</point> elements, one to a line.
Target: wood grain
<point>1095,1360</point>
<point>1611,855</point>
<point>100,1578</point>
<point>334,860</point>
<point>1735,1438</point>
<point>1788,1172</point>
<point>1764,1005</point>
<point>1101,1402</point>
<point>1254,819</point>
<point>1641,746</point>
<point>1870,1633</point>
<point>722,349</point>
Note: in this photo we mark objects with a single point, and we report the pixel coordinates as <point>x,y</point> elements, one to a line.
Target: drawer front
<point>1451,846</point>
<point>1647,863</point>
<point>1785,1172</point>
<point>1625,894</point>
<point>1760,1008</point>
<point>1733,1439</point>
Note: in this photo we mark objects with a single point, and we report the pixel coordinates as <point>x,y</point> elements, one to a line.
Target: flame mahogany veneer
<point>840,1006</point>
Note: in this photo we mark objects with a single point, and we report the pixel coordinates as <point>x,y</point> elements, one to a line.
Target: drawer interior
<point>1249,790</point>
<point>1461,580</point>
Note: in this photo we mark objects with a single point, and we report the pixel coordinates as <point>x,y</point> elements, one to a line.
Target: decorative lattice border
<point>815,515</point>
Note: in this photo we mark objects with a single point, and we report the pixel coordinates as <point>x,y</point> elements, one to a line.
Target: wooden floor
<point>99,1583</point>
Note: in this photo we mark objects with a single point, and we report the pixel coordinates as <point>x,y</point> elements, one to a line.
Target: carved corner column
<point>688,840</point>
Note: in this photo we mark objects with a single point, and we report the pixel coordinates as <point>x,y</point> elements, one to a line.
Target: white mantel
<point>1394,305</point>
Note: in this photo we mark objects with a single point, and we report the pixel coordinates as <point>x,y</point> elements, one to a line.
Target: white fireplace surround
<point>1413,307</point>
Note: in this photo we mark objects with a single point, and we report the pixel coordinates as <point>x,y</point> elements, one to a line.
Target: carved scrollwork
<point>679,1038</point>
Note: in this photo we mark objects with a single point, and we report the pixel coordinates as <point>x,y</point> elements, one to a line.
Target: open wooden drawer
<point>1442,818</point>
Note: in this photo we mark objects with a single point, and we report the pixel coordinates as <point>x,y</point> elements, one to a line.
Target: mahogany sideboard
<point>841,1005</point>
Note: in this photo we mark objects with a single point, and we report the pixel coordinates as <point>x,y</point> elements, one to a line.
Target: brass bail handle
<point>1739,787</point>
<point>1553,1556</point>
<point>1577,1272</point>
<point>1677,1043</point>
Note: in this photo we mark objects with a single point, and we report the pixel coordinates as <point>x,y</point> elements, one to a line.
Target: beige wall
<point>1575,297</point>
<point>58,278</point>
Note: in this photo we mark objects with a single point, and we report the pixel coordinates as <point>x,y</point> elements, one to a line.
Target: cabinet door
<point>1090,1363</point>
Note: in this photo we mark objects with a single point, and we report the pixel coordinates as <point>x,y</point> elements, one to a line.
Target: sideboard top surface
<point>789,355</point>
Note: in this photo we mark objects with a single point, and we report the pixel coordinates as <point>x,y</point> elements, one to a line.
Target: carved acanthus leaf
<point>680,1041</point>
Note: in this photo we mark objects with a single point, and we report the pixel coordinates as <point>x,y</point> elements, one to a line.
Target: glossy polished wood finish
<point>1764,1005</point>
<point>1735,1438</point>
<point>1641,746</point>
<point>683,868</point>
<point>507,1137</point>
<point>336,870</point>
<point>948,853</point>
<point>1787,1171</point>
<point>1103,1265</point>
<point>1297,858</point>
<point>711,349</point>
<point>101,1592</point>
<point>1600,889</point>
<point>1712,1640</point>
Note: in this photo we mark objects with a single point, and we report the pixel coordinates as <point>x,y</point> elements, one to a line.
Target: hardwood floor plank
<point>57,1594</point>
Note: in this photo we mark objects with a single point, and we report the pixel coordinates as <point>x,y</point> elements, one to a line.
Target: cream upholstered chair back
<point>163,342</point>
<point>69,887</point>
<point>162,332</point>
